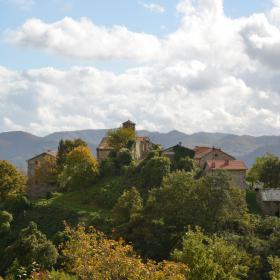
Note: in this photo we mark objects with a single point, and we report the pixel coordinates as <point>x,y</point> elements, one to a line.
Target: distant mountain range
<point>18,146</point>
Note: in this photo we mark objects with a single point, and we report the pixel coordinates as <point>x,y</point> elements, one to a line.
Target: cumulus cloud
<point>214,73</point>
<point>83,39</point>
<point>152,7</point>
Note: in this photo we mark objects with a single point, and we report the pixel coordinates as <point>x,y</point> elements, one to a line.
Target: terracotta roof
<point>226,164</point>
<point>270,195</point>
<point>50,153</point>
<point>201,151</point>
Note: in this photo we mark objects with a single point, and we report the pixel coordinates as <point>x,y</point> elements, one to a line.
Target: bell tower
<point>129,125</point>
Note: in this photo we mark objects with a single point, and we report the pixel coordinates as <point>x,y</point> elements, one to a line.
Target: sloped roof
<point>50,153</point>
<point>270,195</point>
<point>201,151</point>
<point>129,122</point>
<point>226,164</point>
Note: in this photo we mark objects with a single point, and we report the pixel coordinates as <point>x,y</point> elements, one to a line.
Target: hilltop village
<point>208,159</point>
<point>139,211</point>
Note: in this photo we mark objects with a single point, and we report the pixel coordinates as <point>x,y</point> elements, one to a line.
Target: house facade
<point>36,187</point>
<point>269,201</point>
<point>203,154</point>
<point>235,168</point>
<point>141,148</point>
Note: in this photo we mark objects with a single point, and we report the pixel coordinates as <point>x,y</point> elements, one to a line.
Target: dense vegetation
<point>122,219</point>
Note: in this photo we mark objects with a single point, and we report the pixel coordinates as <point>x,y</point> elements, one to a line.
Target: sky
<point>187,65</point>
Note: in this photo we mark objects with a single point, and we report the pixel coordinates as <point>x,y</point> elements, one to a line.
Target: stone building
<point>269,201</point>
<point>235,168</point>
<point>141,148</point>
<point>203,154</point>
<point>36,187</point>
<point>179,148</point>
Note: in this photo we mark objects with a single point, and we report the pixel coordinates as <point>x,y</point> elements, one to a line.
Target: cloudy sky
<point>189,65</point>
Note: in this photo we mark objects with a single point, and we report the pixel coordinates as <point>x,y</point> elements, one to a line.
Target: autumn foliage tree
<point>12,182</point>
<point>65,147</point>
<point>90,255</point>
<point>80,171</point>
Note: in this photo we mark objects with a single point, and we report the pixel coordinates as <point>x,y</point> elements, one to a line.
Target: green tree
<point>266,171</point>
<point>65,147</point>
<point>5,219</point>
<point>211,257</point>
<point>121,138</point>
<point>32,247</point>
<point>210,203</point>
<point>80,171</point>
<point>184,163</point>
<point>12,182</point>
<point>275,265</point>
<point>153,172</point>
<point>127,212</point>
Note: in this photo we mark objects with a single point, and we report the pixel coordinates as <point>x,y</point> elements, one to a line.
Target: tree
<point>266,171</point>
<point>90,255</point>
<point>211,257</point>
<point>275,265</point>
<point>80,171</point>
<point>121,138</point>
<point>210,203</point>
<point>127,212</point>
<point>33,246</point>
<point>12,182</point>
<point>65,147</point>
<point>5,220</point>
<point>221,206</point>
<point>184,163</point>
<point>153,172</point>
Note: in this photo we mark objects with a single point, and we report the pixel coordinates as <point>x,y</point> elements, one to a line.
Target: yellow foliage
<point>90,255</point>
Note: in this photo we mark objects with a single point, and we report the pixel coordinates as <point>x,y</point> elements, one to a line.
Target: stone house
<point>235,168</point>
<point>179,148</point>
<point>269,201</point>
<point>203,154</point>
<point>141,148</point>
<point>36,188</point>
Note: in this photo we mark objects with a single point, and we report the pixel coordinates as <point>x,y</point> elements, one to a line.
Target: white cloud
<point>84,40</point>
<point>152,7</point>
<point>213,73</point>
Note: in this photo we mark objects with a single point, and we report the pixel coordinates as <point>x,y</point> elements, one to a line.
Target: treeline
<point>166,221</point>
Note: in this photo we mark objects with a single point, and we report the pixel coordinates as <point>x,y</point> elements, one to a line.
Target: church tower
<point>129,125</point>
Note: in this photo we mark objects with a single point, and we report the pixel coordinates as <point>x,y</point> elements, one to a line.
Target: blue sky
<point>128,13</point>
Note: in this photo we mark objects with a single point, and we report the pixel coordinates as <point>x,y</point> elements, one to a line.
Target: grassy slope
<point>86,206</point>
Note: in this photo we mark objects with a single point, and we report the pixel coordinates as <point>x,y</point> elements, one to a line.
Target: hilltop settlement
<point>209,159</point>
<point>139,211</point>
